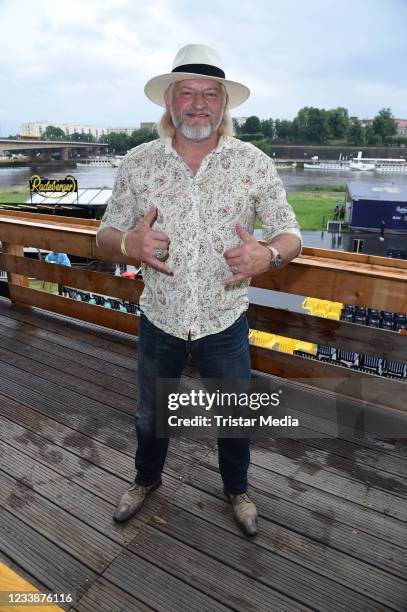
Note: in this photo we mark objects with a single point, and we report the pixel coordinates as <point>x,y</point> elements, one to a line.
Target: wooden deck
<point>333,513</point>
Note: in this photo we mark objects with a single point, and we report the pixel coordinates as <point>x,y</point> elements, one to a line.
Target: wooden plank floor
<point>333,513</point>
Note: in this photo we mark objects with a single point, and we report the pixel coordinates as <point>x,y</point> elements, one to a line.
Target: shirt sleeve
<point>122,211</point>
<point>275,213</point>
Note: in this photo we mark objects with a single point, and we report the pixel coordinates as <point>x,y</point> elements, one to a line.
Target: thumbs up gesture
<point>149,245</point>
<point>247,260</point>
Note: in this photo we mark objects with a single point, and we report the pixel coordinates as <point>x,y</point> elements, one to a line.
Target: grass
<point>314,203</point>
<point>336,188</point>
<point>14,196</point>
<point>311,206</point>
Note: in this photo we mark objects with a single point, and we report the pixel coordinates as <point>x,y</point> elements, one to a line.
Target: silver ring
<point>234,269</point>
<point>159,253</point>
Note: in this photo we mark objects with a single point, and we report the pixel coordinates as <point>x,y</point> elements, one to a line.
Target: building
<point>147,125</point>
<point>35,129</point>
<point>401,127</point>
<point>401,124</point>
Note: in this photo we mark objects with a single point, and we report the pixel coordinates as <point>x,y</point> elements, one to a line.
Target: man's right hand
<point>142,241</point>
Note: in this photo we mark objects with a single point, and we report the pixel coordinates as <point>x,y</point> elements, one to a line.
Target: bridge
<point>32,146</point>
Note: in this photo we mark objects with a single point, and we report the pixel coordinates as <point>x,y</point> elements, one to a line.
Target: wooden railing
<point>364,280</point>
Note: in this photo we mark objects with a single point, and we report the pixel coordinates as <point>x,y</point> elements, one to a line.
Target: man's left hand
<point>247,260</point>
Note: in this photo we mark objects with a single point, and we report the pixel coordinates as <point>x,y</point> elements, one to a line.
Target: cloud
<point>88,61</point>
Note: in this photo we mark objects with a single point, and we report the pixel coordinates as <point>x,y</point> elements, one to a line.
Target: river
<point>294,180</point>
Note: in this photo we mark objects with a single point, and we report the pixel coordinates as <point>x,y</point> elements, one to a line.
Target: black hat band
<point>204,69</point>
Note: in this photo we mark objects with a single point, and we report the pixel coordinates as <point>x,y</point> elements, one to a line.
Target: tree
<point>283,128</point>
<point>139,136</point>
<point>53,133</point>
<point>355,135</point>
<point>118,142</point>
<point>251,125</point>
<point>267,127</point>
<point>311,124</point>
<point>338,122</point>
<point>82,137</point>
<point>263,145</point>
<point>384,124</point>
<point>371,137</point>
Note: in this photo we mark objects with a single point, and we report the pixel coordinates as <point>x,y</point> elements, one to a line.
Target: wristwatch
<point>276,260</point>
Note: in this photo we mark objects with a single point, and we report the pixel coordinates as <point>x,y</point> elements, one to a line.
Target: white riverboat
<point>359,164</point>
<point>95,163</point>
<point>362,166</point>
<point>391,165</point>
<point>379,164</point>
<point>327,164</point>
<point>285,163</point>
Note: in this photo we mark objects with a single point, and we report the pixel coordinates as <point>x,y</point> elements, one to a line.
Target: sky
<point>87,61</point>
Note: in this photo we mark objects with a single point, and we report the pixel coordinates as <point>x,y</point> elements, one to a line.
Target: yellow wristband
<point>123,245</point>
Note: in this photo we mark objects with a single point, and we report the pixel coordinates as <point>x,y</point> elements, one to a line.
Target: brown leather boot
<point>132,500</point>
<point>245,513</point>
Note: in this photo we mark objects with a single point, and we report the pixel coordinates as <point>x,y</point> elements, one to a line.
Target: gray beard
<point>197,133</point>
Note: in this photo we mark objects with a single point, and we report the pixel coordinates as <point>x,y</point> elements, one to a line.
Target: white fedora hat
<point>196,62</point>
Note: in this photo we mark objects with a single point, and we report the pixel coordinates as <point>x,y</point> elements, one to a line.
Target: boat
<point>362,166</point>
<point>328,164</point>
<point>359,164</point>
<point>285,164</point>
<point>391,165</point>
<point>94,163</point>
<point>379,164</point>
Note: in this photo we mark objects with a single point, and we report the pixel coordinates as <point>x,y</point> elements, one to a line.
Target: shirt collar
<point>168,148</point>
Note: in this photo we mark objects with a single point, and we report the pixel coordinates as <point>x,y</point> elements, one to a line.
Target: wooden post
<point>12,277</point>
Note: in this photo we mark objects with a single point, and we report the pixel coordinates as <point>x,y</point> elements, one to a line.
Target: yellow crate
<point>286,345</point>
<point>309,303</point>
<point>308,347</point>
<point>323,308</point>
<point>280,343</point>
<point>262,339</point>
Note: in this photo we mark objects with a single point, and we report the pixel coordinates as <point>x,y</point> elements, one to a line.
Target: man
<point>185,205</point>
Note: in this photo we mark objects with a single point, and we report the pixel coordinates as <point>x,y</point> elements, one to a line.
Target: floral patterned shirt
<point>234,183</point>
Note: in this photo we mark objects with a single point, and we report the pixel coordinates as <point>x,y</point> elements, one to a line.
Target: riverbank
<point>13,196</point>
<point>310,205</point>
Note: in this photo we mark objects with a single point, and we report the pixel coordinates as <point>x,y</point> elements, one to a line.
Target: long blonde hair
<point>165,126</point>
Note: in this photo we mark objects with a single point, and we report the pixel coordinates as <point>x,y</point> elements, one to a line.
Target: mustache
<point>201,111</point>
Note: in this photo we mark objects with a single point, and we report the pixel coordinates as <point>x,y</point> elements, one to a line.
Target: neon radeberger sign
<point>53,188</point>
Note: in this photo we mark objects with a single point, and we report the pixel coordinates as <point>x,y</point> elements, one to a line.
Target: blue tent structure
<point>368,205</point>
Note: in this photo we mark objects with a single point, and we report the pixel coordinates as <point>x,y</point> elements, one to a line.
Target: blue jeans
<point>160,355</point>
